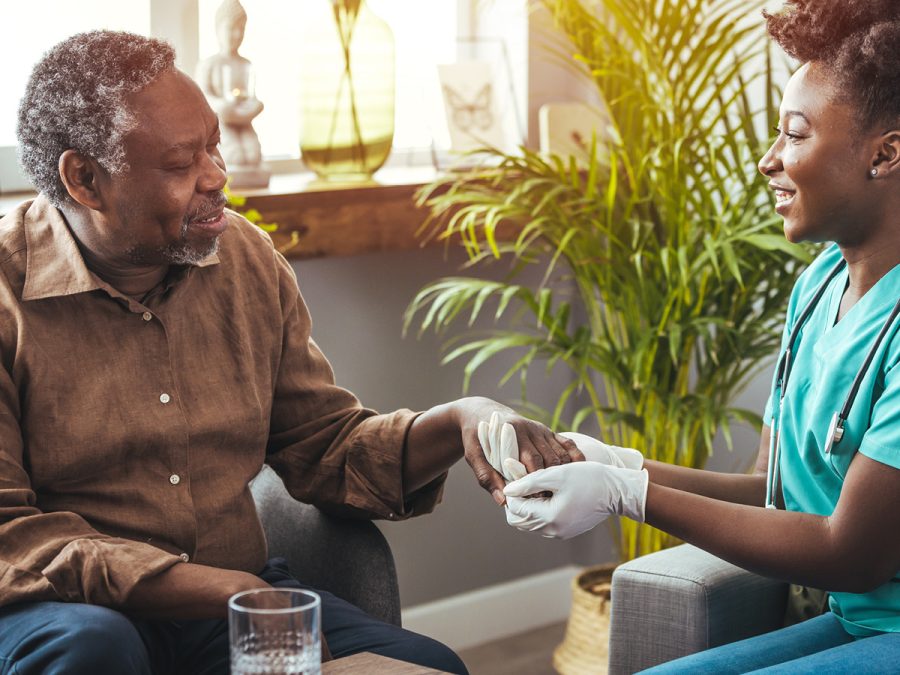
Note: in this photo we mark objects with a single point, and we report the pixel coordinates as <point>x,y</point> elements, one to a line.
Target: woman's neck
<point>865,266</point>
<point>868,262</point>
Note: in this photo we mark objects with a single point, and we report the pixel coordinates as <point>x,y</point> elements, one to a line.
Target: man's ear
<point>887,155</point>
<point>79,175</point>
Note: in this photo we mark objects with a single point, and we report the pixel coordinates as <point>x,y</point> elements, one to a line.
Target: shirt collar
<point>54,265</point>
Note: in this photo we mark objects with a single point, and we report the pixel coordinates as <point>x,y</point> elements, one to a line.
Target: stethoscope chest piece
<point>835,433</point>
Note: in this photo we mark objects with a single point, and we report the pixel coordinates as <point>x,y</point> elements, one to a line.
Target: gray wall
<point>357,306</point>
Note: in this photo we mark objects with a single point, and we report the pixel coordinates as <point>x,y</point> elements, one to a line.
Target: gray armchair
<point>684,600</point>
<point>349,558</point>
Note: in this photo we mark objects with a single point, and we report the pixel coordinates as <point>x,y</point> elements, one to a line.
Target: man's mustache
<point>207,206</point>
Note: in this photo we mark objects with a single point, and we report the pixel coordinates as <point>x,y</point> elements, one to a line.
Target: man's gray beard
<point>181,253</point>
<point>185,254</point>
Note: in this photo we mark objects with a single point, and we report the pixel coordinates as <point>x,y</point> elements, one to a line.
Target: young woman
<point>832,434</point>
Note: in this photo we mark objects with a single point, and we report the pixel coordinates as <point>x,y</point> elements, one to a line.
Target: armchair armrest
<point>349,558</point>
<point>683,600</point>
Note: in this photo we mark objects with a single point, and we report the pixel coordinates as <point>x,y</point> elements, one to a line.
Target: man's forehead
<point>171,111</point>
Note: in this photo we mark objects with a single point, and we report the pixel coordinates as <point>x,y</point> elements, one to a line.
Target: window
<point>269,43</point>
<point>37,26</point>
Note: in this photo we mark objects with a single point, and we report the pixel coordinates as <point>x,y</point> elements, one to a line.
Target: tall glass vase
<point>347,91</point>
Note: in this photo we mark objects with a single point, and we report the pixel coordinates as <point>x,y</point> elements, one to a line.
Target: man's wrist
<point>469,410</point>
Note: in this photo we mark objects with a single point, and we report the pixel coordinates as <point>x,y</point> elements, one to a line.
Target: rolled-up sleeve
<point>330,450</point>
<point>58,556</point>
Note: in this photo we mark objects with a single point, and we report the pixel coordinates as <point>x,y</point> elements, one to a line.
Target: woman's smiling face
<point>819,165</point>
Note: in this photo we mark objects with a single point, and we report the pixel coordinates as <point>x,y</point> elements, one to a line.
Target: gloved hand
<point>501,449</point>
<point>595,450</point>
<point>584,494</point>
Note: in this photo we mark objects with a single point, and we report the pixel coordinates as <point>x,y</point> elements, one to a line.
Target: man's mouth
<point>213,224</point>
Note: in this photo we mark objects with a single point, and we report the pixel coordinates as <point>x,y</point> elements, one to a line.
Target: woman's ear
<point>887,155</point>
<point>79,176</point>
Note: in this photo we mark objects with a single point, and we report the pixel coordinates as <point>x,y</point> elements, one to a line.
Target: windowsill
<point>333,219</point>
<point>341,219</point>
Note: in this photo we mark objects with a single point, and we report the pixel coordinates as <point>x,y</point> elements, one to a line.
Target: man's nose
<point>213,178</point>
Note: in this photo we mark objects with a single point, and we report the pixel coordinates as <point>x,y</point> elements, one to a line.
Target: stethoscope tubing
<point>782,375</point>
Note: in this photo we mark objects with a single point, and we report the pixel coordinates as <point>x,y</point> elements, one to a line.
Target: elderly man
<point>155,352</point>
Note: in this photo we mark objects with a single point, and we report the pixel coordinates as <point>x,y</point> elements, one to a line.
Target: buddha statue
<point>226,79</point>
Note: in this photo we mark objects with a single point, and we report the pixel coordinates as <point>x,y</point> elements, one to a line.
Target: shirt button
<point>147,316</point>
<point>164,398</point>
<point>174,479</point>
<point>185,557</point>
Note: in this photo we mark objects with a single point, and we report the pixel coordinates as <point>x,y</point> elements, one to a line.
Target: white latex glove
<point>500,447</point>
<point>595,450</point>
<point>584,494</point>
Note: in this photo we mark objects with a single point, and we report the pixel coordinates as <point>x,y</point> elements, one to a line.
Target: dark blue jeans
<point>818,646</point>
<point>51,638</point>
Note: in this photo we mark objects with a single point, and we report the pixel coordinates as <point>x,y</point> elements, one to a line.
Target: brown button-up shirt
<point>129,430</point>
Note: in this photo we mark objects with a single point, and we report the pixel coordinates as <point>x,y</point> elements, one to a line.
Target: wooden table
<point>373,664</point>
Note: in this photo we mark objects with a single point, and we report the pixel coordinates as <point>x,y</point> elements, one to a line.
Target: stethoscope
<point>783,373</point>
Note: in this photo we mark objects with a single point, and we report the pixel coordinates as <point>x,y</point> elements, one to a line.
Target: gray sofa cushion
<point>683,600</point>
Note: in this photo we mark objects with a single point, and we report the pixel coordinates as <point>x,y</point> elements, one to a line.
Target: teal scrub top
<point>827,357</point>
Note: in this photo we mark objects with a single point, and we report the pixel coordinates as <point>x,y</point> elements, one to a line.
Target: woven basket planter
<point>585,649</point>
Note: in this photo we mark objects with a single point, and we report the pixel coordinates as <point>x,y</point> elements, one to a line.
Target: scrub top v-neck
<point>826,359</point>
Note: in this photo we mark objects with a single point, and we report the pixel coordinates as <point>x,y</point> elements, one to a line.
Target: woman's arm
<point>747,489</point>
<point>855,549</point>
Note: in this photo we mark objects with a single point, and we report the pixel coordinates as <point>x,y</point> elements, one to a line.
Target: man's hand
<point>188,591</point>
<point>438,435</point>
<point>583,495</point>
<point>538,447</point>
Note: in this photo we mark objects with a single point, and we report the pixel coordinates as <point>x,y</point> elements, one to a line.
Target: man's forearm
<point>433,444</point>
<point>188,591</point>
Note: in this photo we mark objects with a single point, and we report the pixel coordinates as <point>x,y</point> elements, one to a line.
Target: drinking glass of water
<point>275,631</point>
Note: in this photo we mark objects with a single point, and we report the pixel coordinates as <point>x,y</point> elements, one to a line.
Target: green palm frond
<point>666,239</point>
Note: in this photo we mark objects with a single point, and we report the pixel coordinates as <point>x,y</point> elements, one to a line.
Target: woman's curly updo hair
<point>76,99</point>
<point>856,40</point>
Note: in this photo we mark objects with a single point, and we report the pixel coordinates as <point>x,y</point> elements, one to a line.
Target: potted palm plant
<point>665,271</point>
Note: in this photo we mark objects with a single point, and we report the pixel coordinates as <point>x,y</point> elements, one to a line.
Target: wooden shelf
<point>334,219</point>
<point>344,219</point>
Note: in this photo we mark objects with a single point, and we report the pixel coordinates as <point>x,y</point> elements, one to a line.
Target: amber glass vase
<point>347,91</point>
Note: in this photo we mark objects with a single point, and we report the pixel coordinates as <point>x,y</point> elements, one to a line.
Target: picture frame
<point>474,105</point>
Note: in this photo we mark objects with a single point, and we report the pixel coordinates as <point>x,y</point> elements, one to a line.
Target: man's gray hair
<point>75,99</point>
